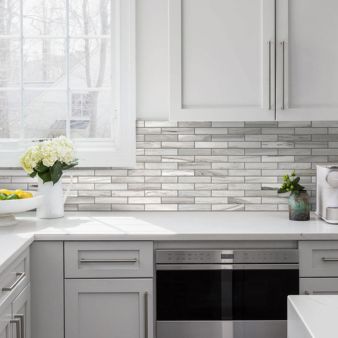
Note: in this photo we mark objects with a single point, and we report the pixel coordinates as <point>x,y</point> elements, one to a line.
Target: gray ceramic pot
<point>299,206</point>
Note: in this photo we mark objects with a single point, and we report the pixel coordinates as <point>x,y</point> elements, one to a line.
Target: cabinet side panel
<point>47,289</point>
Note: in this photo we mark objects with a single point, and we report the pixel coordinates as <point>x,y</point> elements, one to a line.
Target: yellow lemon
<point>23,194</point>
<point>6,191</point>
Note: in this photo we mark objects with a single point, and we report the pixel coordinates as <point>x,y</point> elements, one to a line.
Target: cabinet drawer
<point>108,259</point>
<point>15,277</point>
<point>318,286</point>
<point>318,259</point>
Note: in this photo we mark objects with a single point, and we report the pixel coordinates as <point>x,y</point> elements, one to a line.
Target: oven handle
<point>268,266</point>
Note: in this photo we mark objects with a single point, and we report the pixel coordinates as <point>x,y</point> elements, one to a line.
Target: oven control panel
<point>227,256</point>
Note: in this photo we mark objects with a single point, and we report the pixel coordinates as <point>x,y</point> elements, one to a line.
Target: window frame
<point>99,152</point>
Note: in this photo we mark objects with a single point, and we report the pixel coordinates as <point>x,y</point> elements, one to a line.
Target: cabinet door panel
<point>21,310</point>
<point>217,72</point>
<point>109,308</point>
<point>308,77</point>
<point>318,286</point>
<point>5,325</point>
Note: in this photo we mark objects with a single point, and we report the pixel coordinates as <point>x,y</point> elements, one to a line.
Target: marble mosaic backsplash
<point>202,166</point>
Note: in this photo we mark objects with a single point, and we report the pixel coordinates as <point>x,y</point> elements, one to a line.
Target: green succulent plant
<point>291,184</point>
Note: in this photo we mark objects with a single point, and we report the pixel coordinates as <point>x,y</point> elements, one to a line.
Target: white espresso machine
<point>327,193</point>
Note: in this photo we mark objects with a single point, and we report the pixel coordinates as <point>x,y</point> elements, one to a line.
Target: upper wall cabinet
<point>222,55</point>
<point>307,60</point>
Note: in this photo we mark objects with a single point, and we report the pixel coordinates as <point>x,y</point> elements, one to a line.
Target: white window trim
<point>100,153</point>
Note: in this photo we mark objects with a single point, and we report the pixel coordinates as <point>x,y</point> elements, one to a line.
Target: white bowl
<point>10,207</point>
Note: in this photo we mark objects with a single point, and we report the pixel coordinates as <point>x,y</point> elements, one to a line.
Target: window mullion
<point>67,72</point>
<point>21,39</point>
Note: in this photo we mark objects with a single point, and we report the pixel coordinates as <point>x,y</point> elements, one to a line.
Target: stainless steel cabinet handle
<point>329,259</point>
<point>125,260</point>
<point>146,315</point>
<point>22,324</point>
<point>283,43</point>
<point>269,51</point>
<point>17,323</point>
<point>20,276</point>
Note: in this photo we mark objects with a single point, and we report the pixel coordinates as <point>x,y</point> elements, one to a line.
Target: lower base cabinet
<point>114,308</point>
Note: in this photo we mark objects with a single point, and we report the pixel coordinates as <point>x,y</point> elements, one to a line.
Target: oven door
<point>224,301</point>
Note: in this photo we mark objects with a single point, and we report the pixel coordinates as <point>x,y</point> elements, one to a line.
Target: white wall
<point>152,59</point>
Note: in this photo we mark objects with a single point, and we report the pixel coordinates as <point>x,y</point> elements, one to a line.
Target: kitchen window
<point>67,68</point>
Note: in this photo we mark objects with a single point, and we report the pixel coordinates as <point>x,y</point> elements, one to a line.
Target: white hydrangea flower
<point>48,152</point>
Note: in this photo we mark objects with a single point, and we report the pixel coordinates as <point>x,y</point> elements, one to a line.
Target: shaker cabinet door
<point>307,60</point>
<point>114,308</point>
<point>222,56</point>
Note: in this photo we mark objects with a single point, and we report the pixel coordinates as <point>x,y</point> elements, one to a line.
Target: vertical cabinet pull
<point>146,315</point>
<point>269,71</point>
<point>21,318</point>
<point>17,323</point>
<point>283,44</point>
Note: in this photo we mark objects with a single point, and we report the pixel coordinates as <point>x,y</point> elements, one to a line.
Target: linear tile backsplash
<point>203,166</point>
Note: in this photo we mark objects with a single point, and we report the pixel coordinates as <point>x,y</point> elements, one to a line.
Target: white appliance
<point>327,193</point>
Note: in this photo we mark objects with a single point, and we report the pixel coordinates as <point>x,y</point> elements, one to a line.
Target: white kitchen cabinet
<point>21,311</point>
<point>222,59</point>
<point>114,308</point>
<point>307,54</point>
<point>47,276</point>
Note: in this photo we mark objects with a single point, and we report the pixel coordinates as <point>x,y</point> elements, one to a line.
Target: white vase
<point>52,205</point>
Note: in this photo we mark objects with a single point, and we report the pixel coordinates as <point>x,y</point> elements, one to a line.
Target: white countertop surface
<point>159,226</point>
<point>318,314</point>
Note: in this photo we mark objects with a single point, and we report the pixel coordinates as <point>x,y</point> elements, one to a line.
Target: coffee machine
<point>327,193</point>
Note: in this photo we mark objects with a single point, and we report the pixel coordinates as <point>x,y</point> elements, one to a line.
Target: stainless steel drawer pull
<point>329,259</point>
<point>20,276</point>
<point>125,260</point>
<point>146,314</point>
<point>17,323</point>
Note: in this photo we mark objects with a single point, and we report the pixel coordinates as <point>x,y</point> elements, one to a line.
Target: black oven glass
<point>224,294</point>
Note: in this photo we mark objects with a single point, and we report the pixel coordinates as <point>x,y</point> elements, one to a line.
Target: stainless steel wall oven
<point>224,293</point>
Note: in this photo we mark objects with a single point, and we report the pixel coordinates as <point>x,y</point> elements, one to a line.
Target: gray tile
<point>194,124</point>
<point>211,131</point>
<point>211,144</point>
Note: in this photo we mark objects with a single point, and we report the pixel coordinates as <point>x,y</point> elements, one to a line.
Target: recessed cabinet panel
<point>222,59</point>
<point>21,311</point>
<point>318,286</point>
<point>101,308</point>
<point>307,54</point>
<point>5,325</point>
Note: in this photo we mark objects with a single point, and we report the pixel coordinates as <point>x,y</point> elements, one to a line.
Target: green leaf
<point>45,176</point>
<point>41,168</point>
<point>56,172</point>
<point>70,165</point>
<point>33,174</point>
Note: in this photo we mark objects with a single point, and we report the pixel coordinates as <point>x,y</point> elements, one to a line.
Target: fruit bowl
<point>10,207</point>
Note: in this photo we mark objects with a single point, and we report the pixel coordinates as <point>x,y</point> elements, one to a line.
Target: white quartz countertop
<point>160,226</point>
<point>318,315</point>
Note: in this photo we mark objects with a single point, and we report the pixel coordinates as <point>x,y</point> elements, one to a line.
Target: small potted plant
<point>299,200</point>
<point>47,161</point>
